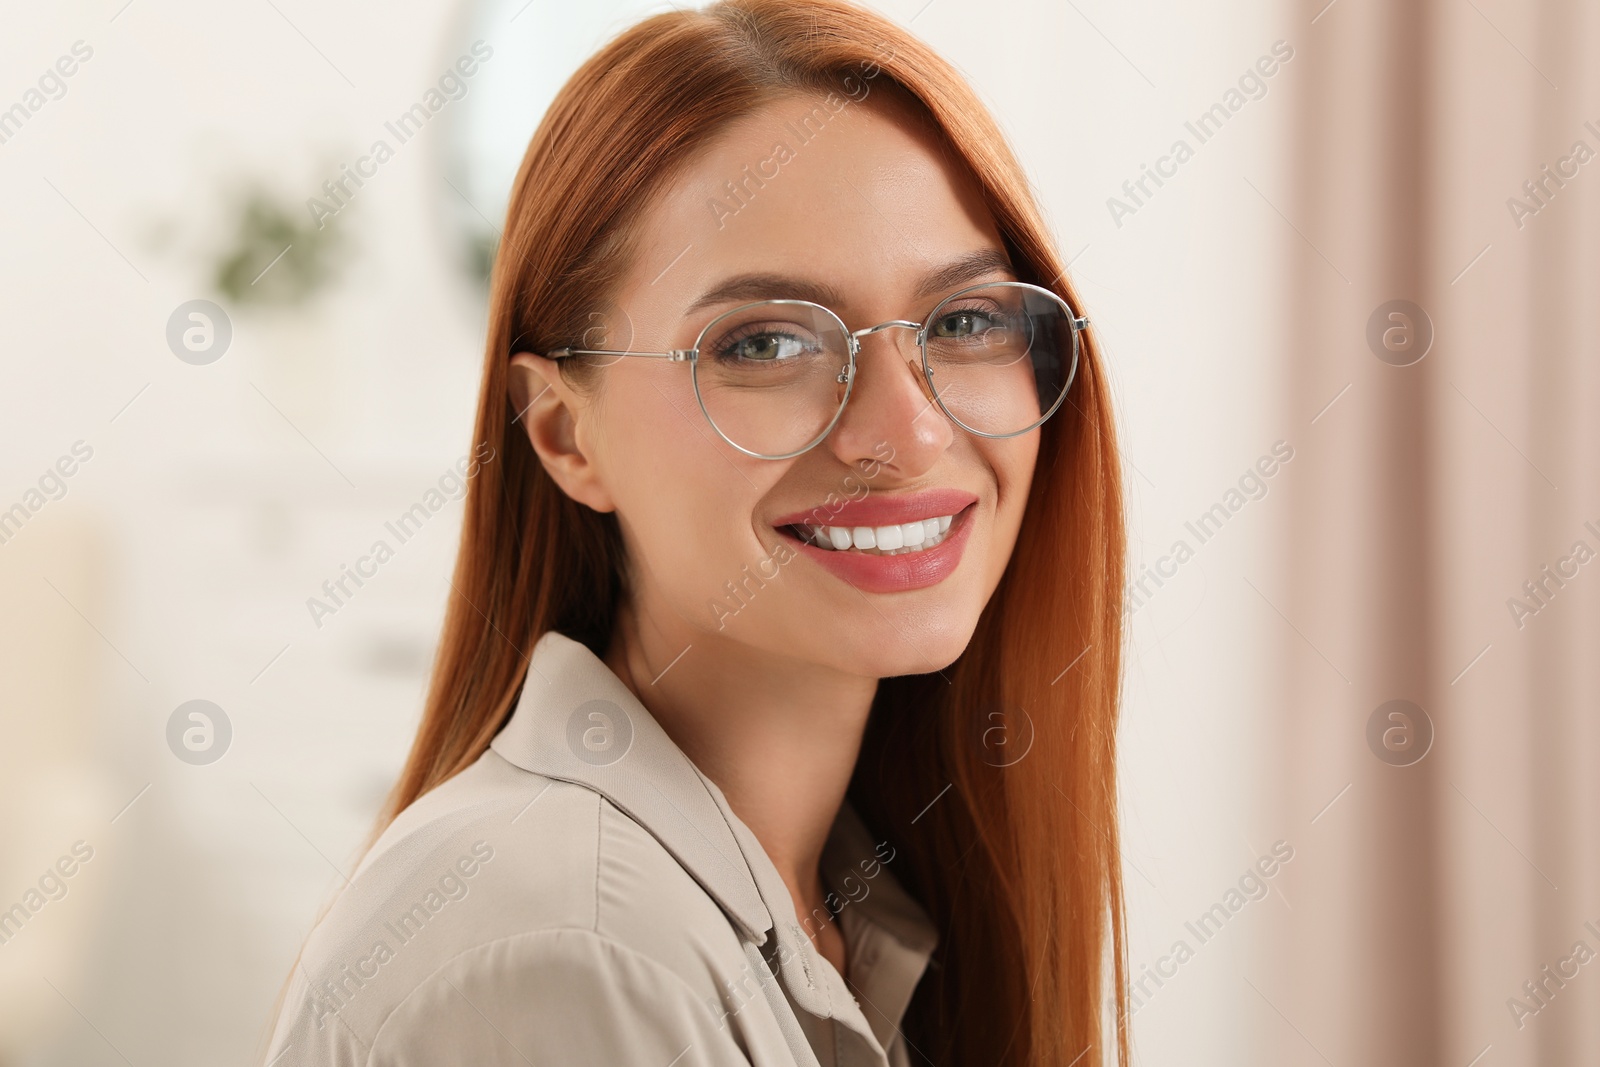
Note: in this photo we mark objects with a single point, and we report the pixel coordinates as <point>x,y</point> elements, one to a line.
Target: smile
<point>894,540</point>
<point>879,520</point>
<point>886,542</point>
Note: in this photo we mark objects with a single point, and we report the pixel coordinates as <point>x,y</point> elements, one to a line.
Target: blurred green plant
<point>276,256</point>
<point>479,255</point>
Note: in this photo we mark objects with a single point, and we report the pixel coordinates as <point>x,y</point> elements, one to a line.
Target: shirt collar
<point>888,934</point>
<point>576,721</point>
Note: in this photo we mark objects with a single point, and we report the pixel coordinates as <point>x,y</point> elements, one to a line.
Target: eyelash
<point>722,349</point>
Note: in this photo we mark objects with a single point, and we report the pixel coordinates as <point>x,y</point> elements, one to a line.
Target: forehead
<point>854,194</point>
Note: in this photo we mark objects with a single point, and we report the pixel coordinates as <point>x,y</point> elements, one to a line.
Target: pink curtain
<point>1444,252</point>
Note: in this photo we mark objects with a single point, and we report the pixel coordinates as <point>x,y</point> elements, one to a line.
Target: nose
<point>890,403</point>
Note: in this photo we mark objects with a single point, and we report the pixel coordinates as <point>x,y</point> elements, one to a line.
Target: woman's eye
<point>764,348</point>
<point>960,324</point>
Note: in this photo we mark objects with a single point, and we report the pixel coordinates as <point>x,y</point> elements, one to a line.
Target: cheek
<point>684,506</point>
<point>1012,462</point>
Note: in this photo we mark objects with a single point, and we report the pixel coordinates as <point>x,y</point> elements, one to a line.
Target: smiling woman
<point>679,808</point>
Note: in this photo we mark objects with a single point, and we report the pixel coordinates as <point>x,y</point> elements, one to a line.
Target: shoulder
<point>500,907</point>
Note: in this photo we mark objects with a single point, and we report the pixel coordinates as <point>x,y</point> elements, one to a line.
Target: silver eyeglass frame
<point>847,373</point>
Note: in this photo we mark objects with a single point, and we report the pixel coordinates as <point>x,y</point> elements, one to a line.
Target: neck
<point>779,736</point>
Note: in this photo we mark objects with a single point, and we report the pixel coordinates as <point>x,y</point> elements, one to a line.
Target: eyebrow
<point>767,286</point>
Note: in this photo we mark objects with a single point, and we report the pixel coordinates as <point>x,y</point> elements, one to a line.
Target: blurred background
<point>1351,328</point>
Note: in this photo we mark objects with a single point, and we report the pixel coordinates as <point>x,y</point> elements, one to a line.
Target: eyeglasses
<point>773,377</point>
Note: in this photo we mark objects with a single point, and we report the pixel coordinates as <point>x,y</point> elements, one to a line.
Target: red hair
<point>1017,864</point>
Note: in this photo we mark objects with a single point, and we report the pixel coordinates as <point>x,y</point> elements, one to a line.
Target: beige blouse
<point>584,895</point>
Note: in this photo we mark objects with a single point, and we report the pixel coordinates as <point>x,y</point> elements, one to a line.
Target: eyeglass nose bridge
<point>892,324</point>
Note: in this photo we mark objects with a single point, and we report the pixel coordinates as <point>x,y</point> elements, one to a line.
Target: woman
<point>774,716</point>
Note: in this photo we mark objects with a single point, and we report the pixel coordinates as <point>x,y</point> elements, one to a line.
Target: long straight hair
<point>1015,856</point>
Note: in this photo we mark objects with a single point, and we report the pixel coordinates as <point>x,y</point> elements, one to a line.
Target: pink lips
<point>880,509</point>
<point>890,574</point>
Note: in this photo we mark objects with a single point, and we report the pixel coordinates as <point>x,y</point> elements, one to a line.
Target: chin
<point>883,646</point>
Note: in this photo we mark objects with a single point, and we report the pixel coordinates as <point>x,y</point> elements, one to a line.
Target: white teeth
<point>881,540</point>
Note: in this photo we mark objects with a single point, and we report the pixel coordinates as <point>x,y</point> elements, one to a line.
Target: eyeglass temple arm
<point>677,355</point>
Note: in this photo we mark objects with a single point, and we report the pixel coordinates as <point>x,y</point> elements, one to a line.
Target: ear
<point>553,416</point>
